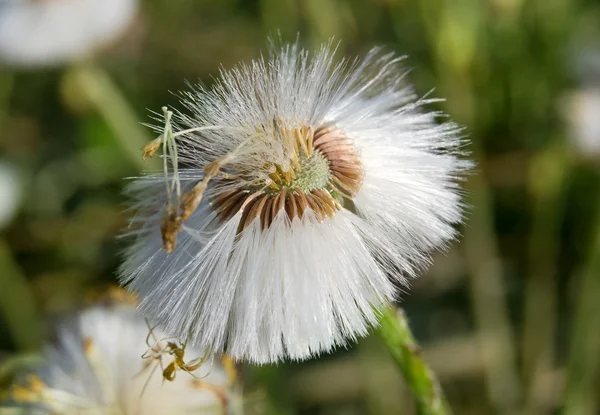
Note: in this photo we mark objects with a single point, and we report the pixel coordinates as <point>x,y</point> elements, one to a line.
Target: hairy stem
<point>400,342</point>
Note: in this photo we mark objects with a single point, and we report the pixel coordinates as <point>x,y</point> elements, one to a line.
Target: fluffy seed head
<point>102,365</point>
<point>51,32</point>
<point>298,194</point>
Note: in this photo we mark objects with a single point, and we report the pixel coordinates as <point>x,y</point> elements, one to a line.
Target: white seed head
<point>101,364</point>
<point>324,187</point>
<point>51,32</point>
<point>581,109</point>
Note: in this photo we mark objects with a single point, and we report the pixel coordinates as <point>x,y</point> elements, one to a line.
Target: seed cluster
<point>324,169</point>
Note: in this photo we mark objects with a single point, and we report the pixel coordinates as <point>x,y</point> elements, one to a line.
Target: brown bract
<point>345,179</point>
<point>169,228</point>
<point>152,147</point>
<point>324,169</point>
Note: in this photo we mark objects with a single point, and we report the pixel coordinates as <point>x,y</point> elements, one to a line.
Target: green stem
<point>17,303</point>
<point>400,342</point>
<point>97,88</point>
<point>583,367</point>
<point>7,82</point>
<point>278,400</point>
<point>549,171</point>
<point>487,290</point>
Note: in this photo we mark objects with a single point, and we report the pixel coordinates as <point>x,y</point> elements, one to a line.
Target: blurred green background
<point>509,318</point>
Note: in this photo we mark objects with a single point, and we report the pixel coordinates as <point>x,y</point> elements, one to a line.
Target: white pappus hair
<point>309,191</point>
<point>101,364</point>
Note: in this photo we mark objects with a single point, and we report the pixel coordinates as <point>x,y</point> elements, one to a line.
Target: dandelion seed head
<point>96,367</point>
<point>311,191</point>
<point>52,32</point>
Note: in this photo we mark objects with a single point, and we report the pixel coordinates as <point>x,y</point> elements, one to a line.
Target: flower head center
<point>311,173</point>
<point>321,169</point>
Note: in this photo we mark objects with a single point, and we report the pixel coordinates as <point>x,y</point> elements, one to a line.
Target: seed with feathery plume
<point>312,190</point>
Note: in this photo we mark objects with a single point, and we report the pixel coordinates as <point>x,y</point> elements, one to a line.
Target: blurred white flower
<point>50,32</point>
<point>11,190</point>
<point>102,365</point>
<point>326,186</point>
<point>582,111</point>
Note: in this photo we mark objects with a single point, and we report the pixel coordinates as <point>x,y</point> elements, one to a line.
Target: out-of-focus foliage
<point>508,318</point>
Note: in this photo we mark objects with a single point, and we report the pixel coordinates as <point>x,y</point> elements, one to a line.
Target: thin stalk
<point>99,89</point>
<point>17,303</point>
<point>548,172</point>
<point>583,367</point>
<point>400,342</point>
<point>496,340</point>
<point>7,82</point>
<point>278,400</point>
